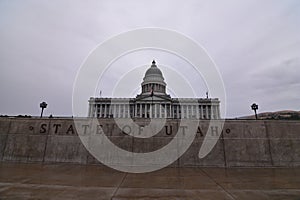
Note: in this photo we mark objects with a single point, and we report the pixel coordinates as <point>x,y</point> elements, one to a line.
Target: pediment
<point>154,98</point>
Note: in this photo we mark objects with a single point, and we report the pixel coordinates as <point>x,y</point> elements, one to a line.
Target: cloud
<point>255,44</point>
<point>283,74</point>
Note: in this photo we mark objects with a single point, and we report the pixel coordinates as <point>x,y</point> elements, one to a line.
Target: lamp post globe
<point>43,105</point>
<point>254,107</point>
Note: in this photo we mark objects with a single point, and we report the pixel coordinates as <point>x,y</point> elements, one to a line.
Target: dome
<point>153,82</point>
<point>153,70</point>
<point>154,75</point>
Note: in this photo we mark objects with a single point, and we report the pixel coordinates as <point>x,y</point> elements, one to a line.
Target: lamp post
<point>43,105</point>
<point>254,107</point>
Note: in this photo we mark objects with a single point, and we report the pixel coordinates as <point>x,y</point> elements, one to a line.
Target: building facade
<point>154,102</point>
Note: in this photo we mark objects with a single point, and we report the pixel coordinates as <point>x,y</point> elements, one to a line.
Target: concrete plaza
<point>67,181</point>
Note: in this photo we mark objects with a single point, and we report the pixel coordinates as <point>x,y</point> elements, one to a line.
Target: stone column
<point>214,112</point>
<point>182,111</point>
<point>159,110</point>
<point>100,111</point>
<point>131,112</point>
<point>140,111</point>
<point>90,110</point>
<point>93,110</point>
<point>91,114</point>
<point>128,110</point>
<point>119,110</point>
<point>107,109</point>
<point>104,110</point>
<point>187,111</point>
<point>114,110</point>
<point>192,110</point>
<point>124,111</point>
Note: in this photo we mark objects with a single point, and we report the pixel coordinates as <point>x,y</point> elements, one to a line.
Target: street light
<point>254,107</point>
<point>43,105</point>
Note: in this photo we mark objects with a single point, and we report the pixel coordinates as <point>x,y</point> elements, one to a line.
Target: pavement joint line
<point>275,190</point>
<point>117,188</point>
<point>25,180</point>
<point>4,188</point>
<point>226,191</point>
<point>6,183</point>
<point>29,185</point>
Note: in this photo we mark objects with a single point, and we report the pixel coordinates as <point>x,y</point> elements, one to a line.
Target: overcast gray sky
<point>254,43</point>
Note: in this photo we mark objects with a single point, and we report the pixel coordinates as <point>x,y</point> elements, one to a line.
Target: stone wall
<point>242,143</point>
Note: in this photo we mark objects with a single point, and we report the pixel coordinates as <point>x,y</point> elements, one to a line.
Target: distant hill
<point>283,115</point>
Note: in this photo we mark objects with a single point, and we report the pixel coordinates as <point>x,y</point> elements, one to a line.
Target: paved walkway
<point>65,181</point>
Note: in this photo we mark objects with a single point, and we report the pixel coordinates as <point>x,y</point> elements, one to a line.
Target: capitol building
<point>154,102</point>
